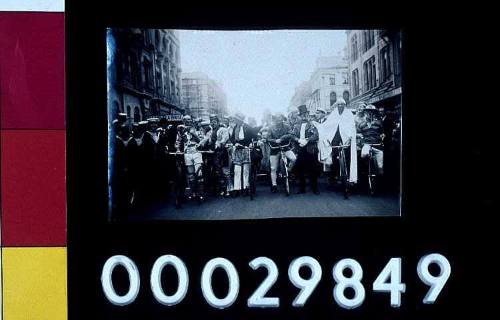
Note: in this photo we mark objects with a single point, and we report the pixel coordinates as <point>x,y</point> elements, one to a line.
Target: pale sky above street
<point>258,70</point>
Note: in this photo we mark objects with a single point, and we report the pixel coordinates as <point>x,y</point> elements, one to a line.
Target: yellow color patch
<point>34,283</point>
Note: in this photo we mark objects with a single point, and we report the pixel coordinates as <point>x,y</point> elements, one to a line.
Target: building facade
<point>375,67</point>
<point>328,82</point>
<point>301,96</point>
<point>202,96</point>
<point>144,76</point>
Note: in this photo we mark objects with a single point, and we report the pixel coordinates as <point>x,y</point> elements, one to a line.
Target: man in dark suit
<point>306,135</point>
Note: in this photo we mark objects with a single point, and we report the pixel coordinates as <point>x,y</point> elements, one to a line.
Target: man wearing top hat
<point>305,134</point>
<point>137,164</point>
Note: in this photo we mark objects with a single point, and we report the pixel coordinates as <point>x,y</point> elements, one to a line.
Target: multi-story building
<point>202,96</point>
<point>329,81</point>
<point>144,75</point>
<point>375,67</point>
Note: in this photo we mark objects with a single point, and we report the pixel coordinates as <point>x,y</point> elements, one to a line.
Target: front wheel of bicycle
<point>345,176</point>
<point>286,178</point>
<point>371,178</point>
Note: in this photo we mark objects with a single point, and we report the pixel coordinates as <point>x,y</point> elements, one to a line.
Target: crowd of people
<point>155,158</point>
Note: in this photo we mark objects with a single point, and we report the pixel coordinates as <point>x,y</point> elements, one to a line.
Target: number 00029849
<point>388,281</point>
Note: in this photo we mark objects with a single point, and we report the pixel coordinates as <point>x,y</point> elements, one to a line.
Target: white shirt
<point>303,130</point>
<point>241,134</point>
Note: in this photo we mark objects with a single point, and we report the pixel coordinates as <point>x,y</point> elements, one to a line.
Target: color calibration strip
<point>33,168</point>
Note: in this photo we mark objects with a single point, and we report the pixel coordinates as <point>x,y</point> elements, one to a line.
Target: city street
<point>268,205</point>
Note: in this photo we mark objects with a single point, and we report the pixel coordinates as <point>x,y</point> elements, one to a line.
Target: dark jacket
<point>311,134</point>
<point>248,132</point>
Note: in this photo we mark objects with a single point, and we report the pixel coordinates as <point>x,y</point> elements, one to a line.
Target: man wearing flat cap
<point>242,137</point>
<point>306,135</point>
<point>187,141</point>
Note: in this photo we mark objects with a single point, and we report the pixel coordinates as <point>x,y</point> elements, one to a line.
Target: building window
<point>158,39</point>
<point>332,80</point>
<point>397,56</point>
<point>346,97</point>
<point>147,37</point>
<point>355,82</point>
<point>354,48</point>
<point>370,75</point>
<point>333,97</point>
<point>368,39</point>
<point>385,63</point>
<point>345,77</point>
<point>129,112</point>
<point>137,114</point>
<point>148,73</point>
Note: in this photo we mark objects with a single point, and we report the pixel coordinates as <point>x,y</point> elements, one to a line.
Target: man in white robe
<point>341,120</point>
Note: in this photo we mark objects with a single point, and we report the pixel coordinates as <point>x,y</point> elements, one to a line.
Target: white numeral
<point>306,286</point>
<point>258,298</point>
<point>343,283</point>
<point>389,280</point>
<point>436,283</point>
<point>206,283</point>
<point>133,277</point>
<point>182,274</point>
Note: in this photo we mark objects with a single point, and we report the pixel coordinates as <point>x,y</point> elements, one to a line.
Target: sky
<point>258,70</point>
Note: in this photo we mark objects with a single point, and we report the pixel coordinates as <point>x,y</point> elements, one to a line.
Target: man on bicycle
<point>306,135</point>
<point>187,141</point>
<point>371,132</point>
<point>279,135</point>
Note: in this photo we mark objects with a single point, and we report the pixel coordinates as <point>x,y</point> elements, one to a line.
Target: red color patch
<point>32,70</point>
<point>33,188</point>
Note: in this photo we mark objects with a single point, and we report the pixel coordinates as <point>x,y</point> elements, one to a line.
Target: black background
<point>442,194</point>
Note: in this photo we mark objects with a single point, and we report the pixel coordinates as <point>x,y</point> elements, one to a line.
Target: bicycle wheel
<point>285,176</point>
<point>371,176</point>
<point>252,181</point>
<point>344,174</point>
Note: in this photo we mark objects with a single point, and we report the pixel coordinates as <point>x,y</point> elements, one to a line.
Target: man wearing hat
<point>371,132</point>
<point>242,137</point>
<point>279,135</point>
<point>120,181</point>
<point>137,164</point>
<point>187,141</point>
<point>320,115</point>
<point>340,129</point>
<point>305,134</point>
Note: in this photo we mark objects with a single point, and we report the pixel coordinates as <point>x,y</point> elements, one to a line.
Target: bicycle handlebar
<point>343,146</point>
<point>280,146</point>
<point>180,153</point>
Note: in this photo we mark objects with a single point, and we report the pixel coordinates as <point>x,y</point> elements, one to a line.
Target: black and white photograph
<point>253,124</point>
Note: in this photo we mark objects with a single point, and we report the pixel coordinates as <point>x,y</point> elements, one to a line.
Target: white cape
<point>326,131</point>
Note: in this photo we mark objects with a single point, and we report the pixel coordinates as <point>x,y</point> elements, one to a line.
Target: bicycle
<point>344,173</point>
<point>372,173</point>
<point>284,165</point>
<point>180,179</point>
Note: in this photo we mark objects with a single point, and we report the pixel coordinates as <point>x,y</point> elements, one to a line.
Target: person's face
<point>265,135</point>
<point>321,115</point>
<point>225,122</point>
<point>123,132</point>
<point>153,126</point>
<point>303,117</point>
<point>341,107</point>
<point>214,122</point>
